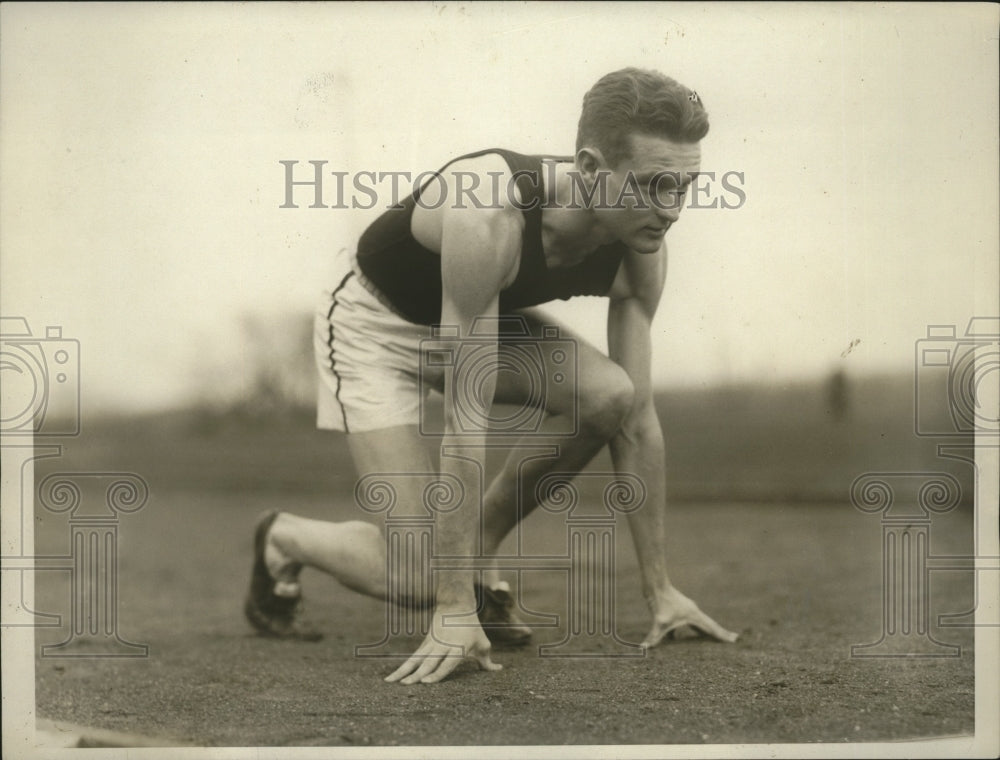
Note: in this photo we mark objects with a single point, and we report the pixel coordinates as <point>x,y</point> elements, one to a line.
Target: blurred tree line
<point>268,375</point>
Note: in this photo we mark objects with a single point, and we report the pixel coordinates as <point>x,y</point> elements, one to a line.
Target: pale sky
<point>141,187</point>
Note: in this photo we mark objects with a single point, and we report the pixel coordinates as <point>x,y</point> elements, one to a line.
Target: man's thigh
<point>397,476</point>
<point>543,363</point>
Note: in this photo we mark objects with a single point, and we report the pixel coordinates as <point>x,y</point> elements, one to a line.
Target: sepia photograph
<point>549,379</point>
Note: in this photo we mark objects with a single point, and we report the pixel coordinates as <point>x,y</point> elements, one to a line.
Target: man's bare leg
<point>593,403</point>
<point>512,495</point>
<point>354,552</point>
<point>601,398</point>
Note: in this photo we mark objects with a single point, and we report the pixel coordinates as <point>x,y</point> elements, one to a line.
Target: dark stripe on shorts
<point>329,344</point>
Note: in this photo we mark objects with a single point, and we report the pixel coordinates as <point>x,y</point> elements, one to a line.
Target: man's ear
<point>589,161</point>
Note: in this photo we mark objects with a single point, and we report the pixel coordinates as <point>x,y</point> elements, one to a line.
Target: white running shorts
<point>368,358</point>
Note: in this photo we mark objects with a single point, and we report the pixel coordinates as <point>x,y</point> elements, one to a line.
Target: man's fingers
<point>416,667</point>
<point>706,625</point>
<point>403,670</point>
<point>694,618</point>
<point>653,638</point>
<point>410,665</point>
<point>434,665</point>
<point>447,664</point>
<point>485,663</point>
<point>433,661</point>
<point>451,661</point>
<point>440,654</point>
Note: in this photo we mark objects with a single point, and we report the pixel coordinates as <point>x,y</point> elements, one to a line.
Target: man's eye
<point>666,192</point>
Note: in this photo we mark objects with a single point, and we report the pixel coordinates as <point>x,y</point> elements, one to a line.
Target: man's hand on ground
<point>443,649</point>
<point>675,612</point>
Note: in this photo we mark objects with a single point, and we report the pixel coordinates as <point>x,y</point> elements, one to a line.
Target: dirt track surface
<point>210,681</point>
<point>800,582</point>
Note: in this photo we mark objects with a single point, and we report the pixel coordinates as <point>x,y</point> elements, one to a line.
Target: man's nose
<point>671,209</point>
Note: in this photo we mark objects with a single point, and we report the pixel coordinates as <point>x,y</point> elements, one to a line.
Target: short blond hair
<point>638,101</point>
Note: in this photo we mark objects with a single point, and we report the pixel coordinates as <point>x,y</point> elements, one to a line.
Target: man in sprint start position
<point>593,224</point>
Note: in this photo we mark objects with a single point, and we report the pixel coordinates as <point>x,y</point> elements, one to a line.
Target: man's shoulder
<point>502,159</point>
<point>486,164</point>
<point>492,159</point>
<point>484,187</point>
<point>476,207</point>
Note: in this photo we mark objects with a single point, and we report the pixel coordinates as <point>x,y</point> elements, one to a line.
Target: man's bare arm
<point>479,254</point>
<point>638,448</point>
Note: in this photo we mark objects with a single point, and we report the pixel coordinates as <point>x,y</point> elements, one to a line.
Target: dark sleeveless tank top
<point>408,275</point>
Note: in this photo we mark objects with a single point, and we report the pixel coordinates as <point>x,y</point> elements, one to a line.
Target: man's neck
<point>570,230</point>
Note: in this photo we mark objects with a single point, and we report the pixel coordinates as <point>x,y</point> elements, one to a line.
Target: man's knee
<point>604,408</point>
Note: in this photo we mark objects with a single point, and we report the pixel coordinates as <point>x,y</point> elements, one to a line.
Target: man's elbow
<point>641,424</point>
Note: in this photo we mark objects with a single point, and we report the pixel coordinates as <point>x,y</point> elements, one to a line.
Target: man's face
<point>646,191</point>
